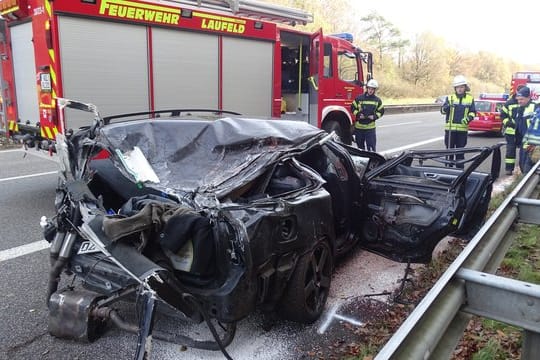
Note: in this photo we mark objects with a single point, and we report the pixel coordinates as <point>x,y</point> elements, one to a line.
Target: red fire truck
<point>131,55</point>
<point>528,78</point>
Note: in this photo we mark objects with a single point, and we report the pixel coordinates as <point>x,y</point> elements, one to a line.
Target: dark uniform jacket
<point>509,124</point>
<point>367,105</point>
<point>522,116</point>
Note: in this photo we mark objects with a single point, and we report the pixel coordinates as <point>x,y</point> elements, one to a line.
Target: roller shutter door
<point>103,63</point>
<point>247,76</point>
<point>25,72</point>
<point>185,69</point>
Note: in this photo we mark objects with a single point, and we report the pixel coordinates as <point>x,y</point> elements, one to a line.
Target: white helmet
<point>459,80</point>
<point>372,84</point>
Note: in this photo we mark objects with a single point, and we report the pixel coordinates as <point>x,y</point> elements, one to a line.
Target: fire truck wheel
<point>332,125</point>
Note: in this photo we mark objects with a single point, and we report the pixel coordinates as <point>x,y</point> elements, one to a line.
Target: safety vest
<point>459,111</point>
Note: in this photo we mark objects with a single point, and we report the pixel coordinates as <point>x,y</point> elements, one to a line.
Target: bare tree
<point>426,65</point>
<point>400,45</point>
<point>381,33</point>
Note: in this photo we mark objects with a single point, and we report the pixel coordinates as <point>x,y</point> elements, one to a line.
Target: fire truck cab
<point>134,56</point>
<point>531,79</point>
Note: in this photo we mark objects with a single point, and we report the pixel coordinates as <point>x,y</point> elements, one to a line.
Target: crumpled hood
<point>207,156</point>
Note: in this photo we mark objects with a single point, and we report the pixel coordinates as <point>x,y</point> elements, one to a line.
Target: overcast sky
<point>512,31</point>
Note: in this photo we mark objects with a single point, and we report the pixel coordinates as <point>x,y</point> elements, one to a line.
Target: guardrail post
<point>531,345</point>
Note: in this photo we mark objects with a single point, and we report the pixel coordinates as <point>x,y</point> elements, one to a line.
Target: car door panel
<point>406,219</point>
<point>410,208</point>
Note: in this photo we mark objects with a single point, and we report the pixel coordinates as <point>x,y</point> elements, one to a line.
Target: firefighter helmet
<point>372,84</point>
<point>459,80</point>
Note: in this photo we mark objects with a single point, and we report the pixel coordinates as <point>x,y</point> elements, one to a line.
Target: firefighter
<point>509,131</point>
<point>531,142</point>
<point>459,110</point>
<point>522,115</point>
<point>367,108</point>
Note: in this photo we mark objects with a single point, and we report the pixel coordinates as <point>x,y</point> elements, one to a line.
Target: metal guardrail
<point>403,109</point>
<point>434,328</point>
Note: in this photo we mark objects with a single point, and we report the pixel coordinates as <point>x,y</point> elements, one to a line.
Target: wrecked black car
<point>213,219</point>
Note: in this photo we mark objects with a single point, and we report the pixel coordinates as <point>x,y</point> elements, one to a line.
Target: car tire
<point>332,125</point>
<point>307,290</point>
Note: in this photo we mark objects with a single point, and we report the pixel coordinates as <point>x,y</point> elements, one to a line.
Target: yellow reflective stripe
<point>49,132</point>
<point>13,126</point>
<point>42,132</point>
<point>356,110</point>
<point>368,102</point>
<point>456,127</point>
<point>55,131</point>
<point>312,81</point>
<point>509,161</point>
<point>367,126</point>
<point>48,8</point>
<point>51,55</point>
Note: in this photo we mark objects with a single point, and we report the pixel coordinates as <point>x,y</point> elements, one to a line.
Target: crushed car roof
<point>207,155</point>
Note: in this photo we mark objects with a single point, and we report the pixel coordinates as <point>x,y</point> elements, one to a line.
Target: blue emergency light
<point>491,96</point>
<point>344,36</point>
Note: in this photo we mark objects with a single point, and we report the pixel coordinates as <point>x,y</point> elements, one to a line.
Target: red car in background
<point>488,113</point>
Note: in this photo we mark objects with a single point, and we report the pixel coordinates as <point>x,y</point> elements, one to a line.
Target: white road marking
<point>399,124</point>
<point>333,315</point>
<point>23,250</point>
<point>38,153</point>
<point>405,147</point>
<point>28,176</point>
<point>12,150</point>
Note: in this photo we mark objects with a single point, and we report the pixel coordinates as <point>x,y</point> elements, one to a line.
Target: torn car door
<point>409,209</point>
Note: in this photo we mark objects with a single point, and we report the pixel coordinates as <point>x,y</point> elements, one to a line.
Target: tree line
<point>418,67</point>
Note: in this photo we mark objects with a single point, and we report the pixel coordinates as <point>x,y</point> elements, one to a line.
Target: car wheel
<point>308,287</point>
<point>332,125</point>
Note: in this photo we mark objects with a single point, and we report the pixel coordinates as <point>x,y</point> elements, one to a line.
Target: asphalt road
<point>27,192</point>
